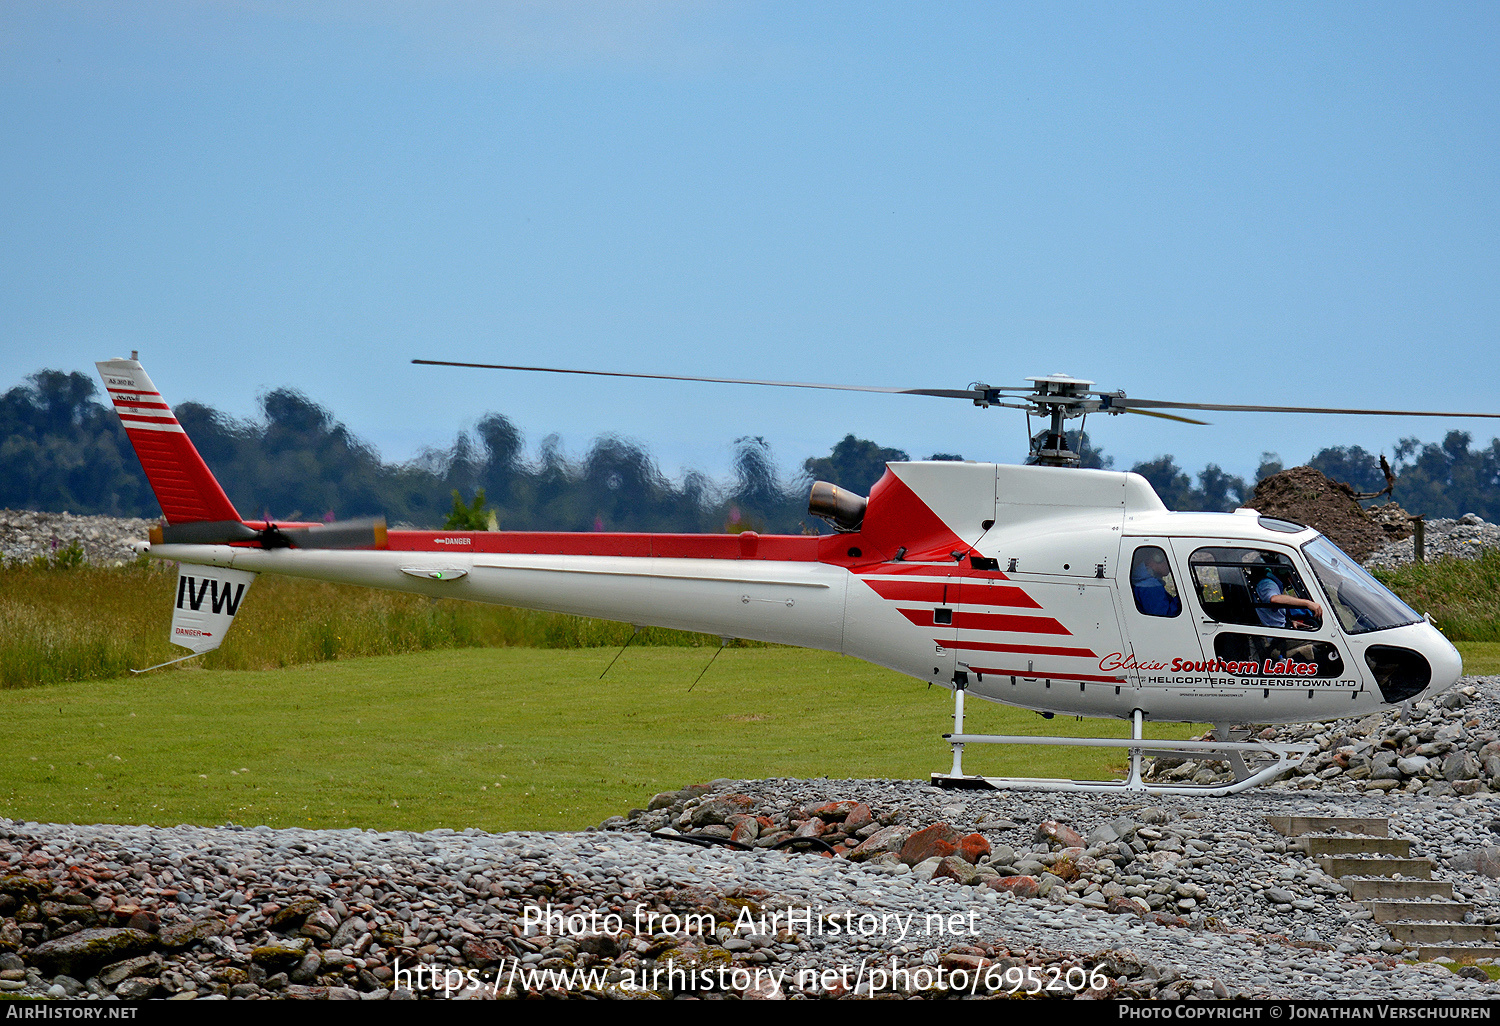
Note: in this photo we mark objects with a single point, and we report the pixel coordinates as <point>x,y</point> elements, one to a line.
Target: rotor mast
<point>1058,397</point>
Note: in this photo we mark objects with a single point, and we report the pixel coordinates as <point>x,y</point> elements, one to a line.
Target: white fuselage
<point>1050,625</point>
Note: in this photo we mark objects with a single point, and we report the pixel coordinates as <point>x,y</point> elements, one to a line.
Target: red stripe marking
<point>931,570</point>
<point>924,569</point>
<point>1047,675</point>
<point>1008,622</point>
<point>990,595</point>
<point>938,593</point>
<point>990,646</point>
<point>992,622</point>
<point>141,404</point>
<point>932,592</point>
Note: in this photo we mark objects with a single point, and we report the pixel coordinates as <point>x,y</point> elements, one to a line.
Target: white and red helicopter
<point>1049,587</point>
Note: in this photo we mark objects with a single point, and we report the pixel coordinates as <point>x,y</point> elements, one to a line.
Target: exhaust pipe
<point>843,509</point>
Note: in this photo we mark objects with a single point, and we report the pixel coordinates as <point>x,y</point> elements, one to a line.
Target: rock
<point>282,954</point>
<point>830,812</point>
<point>143,965</point>
<point>136,988</point>
<point>307,970</point>
<point>1059,833</point>
<point>936,841</point>
<point>1461,766</point>
<point>1021,886</point>
<point>81,954</point>
<point>1489,759</point>
<point>1484,861</point>
<point>973,847</point>
<point>956,868</point>
<point>1412,766</point>
<point>887,839</point>
<point>718,810</point>
<point>180,935</point>
<point>294,915</point>
<point>859,817</point>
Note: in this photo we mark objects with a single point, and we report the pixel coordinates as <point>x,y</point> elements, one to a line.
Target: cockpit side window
<point>1241,585</point>
<point>1152,582</point>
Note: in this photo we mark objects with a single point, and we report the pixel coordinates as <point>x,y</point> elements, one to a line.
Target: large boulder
<point>937,841</point>
<point>81,954</point>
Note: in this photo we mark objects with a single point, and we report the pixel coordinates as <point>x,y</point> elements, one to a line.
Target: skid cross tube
<point>1287,755</point>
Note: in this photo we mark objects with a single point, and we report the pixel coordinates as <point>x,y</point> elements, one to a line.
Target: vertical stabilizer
<point>181,480</point>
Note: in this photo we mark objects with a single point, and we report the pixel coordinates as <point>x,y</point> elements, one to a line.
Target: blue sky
<point>1242,203</point>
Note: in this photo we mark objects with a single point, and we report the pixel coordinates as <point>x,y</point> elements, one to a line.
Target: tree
<point>1173,486</point>
<point>854,463</point>
<point>1270,463</point>
<point>469,518</point>
<point>61,450</point>
<point>1448,479</point>
<point>1218,492</point>
<point>1350,464</point>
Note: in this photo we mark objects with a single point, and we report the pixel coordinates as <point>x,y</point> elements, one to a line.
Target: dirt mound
<point>1306,496</point>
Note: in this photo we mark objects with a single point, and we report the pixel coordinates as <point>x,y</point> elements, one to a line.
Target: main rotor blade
<point>1134,405</point>
<point>945,393</point>
<point>1166,416</point>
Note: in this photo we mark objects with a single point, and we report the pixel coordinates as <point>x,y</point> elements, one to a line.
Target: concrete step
<point>1296,826</point>
<point>1336,867</point>
<point>1365,889</point>
<point>1419,911</point>
<point>1441,933</point>
<point>1459,953</point>
<point>1314,844</point>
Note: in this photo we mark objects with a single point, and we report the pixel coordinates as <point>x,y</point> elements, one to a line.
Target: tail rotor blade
<point>367,533</point>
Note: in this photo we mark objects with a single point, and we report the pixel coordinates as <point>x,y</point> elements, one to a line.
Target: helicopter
<point>1046,586</point>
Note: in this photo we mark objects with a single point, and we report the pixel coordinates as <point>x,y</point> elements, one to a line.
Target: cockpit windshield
<point>1361,603</point>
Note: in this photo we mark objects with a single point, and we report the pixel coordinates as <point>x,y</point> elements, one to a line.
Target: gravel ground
<point>1154,897</point>
<point>1463,538</point>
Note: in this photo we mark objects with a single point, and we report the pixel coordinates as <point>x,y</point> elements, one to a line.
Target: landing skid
<point>1286,755</point>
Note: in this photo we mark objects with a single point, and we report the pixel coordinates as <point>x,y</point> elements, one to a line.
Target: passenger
<point>1150,573</point>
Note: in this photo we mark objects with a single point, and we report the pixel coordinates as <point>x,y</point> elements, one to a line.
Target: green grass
<point>502,739</point>
<point>1481,658</point>
<point>1463,595</point>
<point>86,623</point>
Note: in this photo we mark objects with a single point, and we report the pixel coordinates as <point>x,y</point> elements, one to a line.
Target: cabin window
<point>1239,586</point>
<point>1251,655</point>
<point>1152,583</point>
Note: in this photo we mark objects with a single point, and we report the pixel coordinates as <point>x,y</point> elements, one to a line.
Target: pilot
<point>1273,605</point>
<point>1149,574</point>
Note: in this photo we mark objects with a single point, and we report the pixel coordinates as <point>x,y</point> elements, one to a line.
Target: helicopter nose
<point>1447,664</point>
